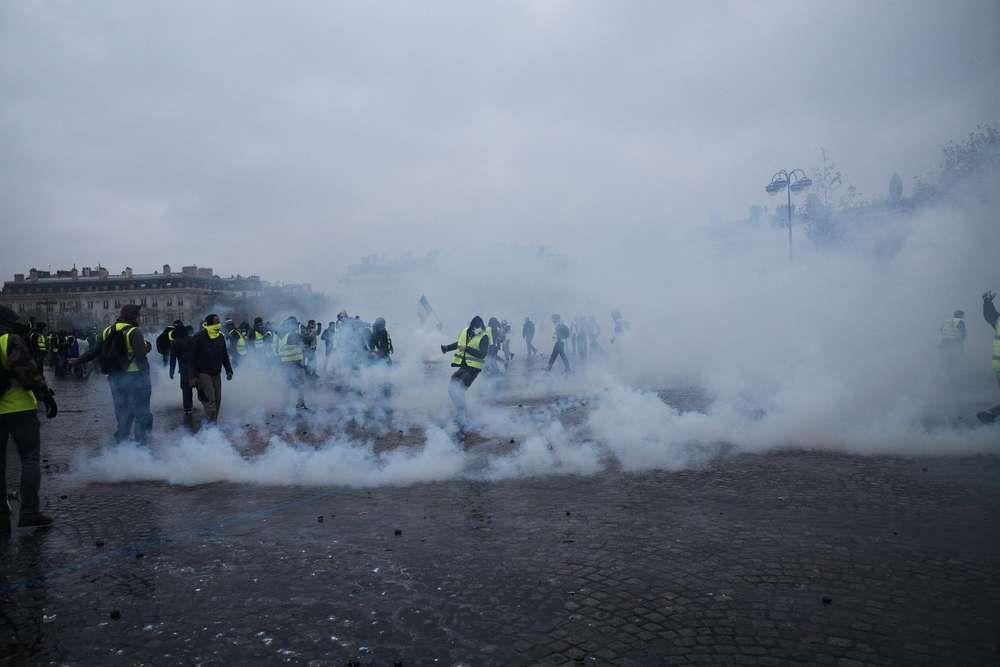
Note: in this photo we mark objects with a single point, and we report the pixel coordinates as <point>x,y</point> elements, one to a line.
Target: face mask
<point>212,329</point>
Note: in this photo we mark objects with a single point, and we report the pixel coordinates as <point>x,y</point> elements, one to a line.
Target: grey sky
<point>292,138</point>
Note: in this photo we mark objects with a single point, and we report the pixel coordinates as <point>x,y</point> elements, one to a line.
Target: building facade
<point>72,299</point>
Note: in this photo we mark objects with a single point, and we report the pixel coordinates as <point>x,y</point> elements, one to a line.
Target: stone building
<point>92,296</point>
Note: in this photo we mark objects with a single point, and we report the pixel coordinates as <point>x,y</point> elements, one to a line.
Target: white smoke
<point>835,351</point>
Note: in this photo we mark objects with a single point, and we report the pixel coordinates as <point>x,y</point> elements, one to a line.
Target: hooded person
<point>379,342</point>
<point>208,354</point>
<point>470,350</point>
<point>122,354</point>
<point>22,385</point>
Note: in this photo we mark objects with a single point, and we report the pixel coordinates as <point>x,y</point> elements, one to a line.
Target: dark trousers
<point>531,348</point>
<point>23,428</point>
<point>559,351</point>
<point>187,393</point>
<point>130,394</point>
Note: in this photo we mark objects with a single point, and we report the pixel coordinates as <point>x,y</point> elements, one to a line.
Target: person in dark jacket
<point>21,386</point>
<point>470,350</point>
<point>179,353</point>
<point>379,342</point>
<point>207,356</point>
<point>559,335</point>
<point>992,318</point>
<point>528,334</point>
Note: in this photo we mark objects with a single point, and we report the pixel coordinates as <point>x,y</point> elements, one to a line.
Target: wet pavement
<point>795,556</point>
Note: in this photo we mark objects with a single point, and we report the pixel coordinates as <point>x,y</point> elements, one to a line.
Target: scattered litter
<point>827,601</point>
<point>398,532</point>
<point>115,614</point>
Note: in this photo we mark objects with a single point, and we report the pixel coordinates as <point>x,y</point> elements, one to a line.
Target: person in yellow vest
<point>953,333</point>
<point>122,354</point>
<point>290,352</point>
<point>207,356</point>
<point>470,350</point>
<point>992,318</point>
<point>237,342</point>
<point>39,344</point>
<point>260,337</point>
<point>21,386</point>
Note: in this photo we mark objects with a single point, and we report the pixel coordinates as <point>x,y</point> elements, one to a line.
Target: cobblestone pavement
<point>788,557</point>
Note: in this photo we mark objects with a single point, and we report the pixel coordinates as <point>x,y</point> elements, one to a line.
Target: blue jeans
<point>130,393</point>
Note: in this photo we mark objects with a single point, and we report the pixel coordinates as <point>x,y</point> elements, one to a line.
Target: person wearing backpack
<point>207,356</point>
<point>164,340</point>
<point>121,353</point>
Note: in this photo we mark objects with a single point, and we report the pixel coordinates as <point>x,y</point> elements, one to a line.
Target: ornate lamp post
<point>789,181</point>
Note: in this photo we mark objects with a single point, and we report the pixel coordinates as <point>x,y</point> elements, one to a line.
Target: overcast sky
<point>289,139</point>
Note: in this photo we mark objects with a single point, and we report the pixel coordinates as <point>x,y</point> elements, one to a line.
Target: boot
<point>34,519</point>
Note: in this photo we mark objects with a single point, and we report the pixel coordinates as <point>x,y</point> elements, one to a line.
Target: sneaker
<point>35,519</point>
<point>986,417</point>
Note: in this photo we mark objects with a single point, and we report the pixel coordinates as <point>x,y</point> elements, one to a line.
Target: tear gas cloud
<point>526,159</point>
<point>835,351</point>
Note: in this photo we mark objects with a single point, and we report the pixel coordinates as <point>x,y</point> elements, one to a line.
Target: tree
<point>827,179</point>
<point>977,156</point>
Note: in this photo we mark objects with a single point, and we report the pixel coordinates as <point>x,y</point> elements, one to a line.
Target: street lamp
<point>789,181</point>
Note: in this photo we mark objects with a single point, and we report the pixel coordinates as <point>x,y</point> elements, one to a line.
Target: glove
<point>443,351</point>
<point>51,409</point>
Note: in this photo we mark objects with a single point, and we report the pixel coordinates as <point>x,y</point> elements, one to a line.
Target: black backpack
<point>114,353</point>
<point>163,342</point>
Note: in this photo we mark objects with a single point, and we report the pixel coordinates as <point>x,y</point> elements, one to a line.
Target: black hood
<point>476,323</point>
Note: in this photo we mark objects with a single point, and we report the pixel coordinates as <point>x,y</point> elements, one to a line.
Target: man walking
<point>560,333</point>
<point>528,334</point>
<point>208,356</point>
<point>122,355</point>
<point>179,354</point>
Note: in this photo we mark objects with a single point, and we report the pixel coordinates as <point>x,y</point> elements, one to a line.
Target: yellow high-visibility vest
<point>467,353</point>
<point>996,347</point>
<point>289,351</point>
<point>950,328</point>
<point>17,398</point>
<point>119,326</point>
<point>241,342</point>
